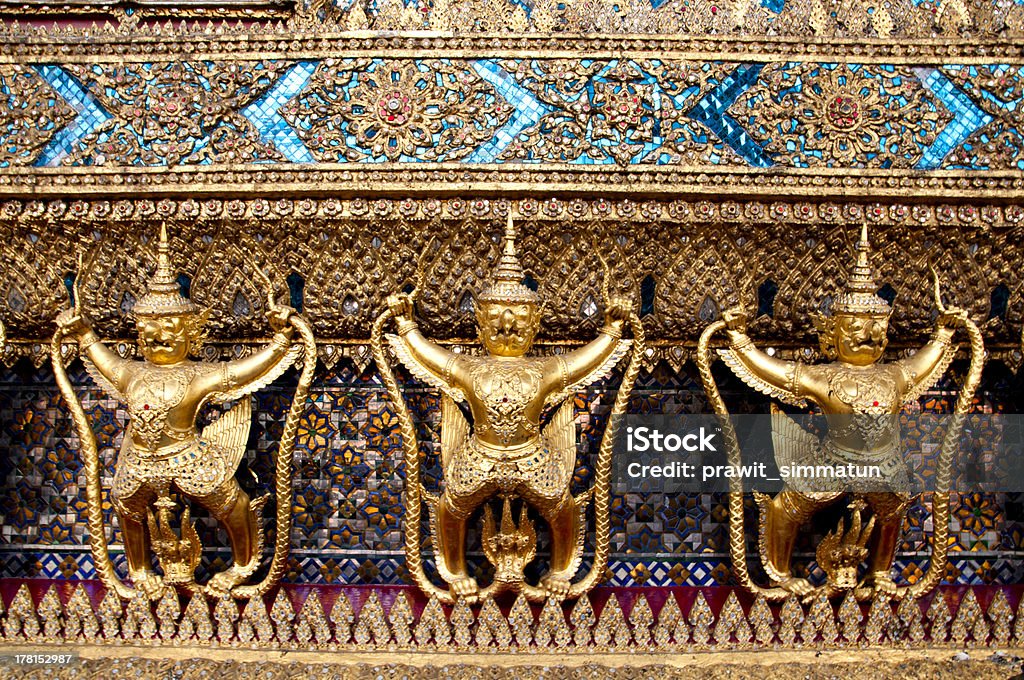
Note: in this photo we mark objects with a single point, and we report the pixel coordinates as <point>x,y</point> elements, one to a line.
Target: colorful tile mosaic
<point>181,113</point>
<point>480,111</point>
<point>848,115</point>
<point>348,483</point>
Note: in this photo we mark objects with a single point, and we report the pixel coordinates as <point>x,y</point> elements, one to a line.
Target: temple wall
<point>729,160</point>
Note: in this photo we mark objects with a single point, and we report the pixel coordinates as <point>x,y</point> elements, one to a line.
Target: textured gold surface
<point>352,252</point>
<point>200,662</point>
<point>822,19</point>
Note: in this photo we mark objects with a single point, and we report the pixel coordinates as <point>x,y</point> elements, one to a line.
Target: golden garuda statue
<point>164,455</point>
<point>505,455</point>
<point>861,398</point>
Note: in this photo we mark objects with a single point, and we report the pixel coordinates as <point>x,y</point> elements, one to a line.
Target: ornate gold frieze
<point>28,43</point>
<point>836,19</point>
<point>287,114</point>
<point>690,259</point>
<point>443,181</point>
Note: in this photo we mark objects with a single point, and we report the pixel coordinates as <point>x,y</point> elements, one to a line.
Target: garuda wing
<point>747,376</point>
<point>925,382</point>
<point>230,432</point>
<point>560,437</point>
<point>101,380</point>
<point>793,444</point>
<point>282,365</point>
<point>454,429</point>
<point>420,371</point>
<point>600,372</point>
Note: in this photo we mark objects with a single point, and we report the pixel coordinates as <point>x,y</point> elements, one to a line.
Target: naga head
<point>512,546</point>
<point>857,331</point>
<point>170,325</point>
<point>178,556</point>
<point>841,552</point>
<point>508,313</point>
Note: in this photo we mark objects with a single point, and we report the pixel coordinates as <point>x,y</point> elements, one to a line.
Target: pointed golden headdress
<point>507,284</point>
<point>860,296</point>
<point>163,294</point>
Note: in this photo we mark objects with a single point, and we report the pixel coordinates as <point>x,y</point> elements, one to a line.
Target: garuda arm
<point>233,380</point>
<point>429,362</point>
<point>435,366</point>
<point>778,379</point>
<point>590,363</point>
<point>106,367</point>
<point>426,360</point>
<point>924,368</point>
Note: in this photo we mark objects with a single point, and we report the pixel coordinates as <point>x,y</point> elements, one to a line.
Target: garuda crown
<point>507,283</point>
<point>860,296</point>
<point>163,294</point>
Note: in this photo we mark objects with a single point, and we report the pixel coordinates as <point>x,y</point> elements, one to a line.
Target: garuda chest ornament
<point>500,455</point>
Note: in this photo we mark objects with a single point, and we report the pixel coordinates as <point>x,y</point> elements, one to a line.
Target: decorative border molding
<point>956,21</point>
<point>446,180</point>
<point>28,43</point>
<point>25,214</point>
<point>609,620</point>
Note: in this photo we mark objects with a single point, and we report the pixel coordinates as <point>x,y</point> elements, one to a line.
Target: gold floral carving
<point>396,109</point>
<point>846,116</point>
<point>621,113</point>
<point>30,114</point>
<point>641,117</point>
<point>993,145</point>
<point>160,113</point>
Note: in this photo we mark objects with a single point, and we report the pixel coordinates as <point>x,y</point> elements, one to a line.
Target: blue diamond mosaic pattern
<point>577,111</point>
<point>90,115</point>
<point>348,483</point>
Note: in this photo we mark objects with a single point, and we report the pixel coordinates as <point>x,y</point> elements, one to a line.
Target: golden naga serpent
<point>414,491</point>
<point>283,472</point>
<point>940,497</point>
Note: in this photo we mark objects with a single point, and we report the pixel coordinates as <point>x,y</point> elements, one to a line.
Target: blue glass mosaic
<point>527,110</point>
<point>711,111</point>
<point>264,113</point>
<point>90,114</point>
<point>967,118</point>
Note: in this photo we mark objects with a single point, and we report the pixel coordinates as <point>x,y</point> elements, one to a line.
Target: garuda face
<point>507,329</point>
